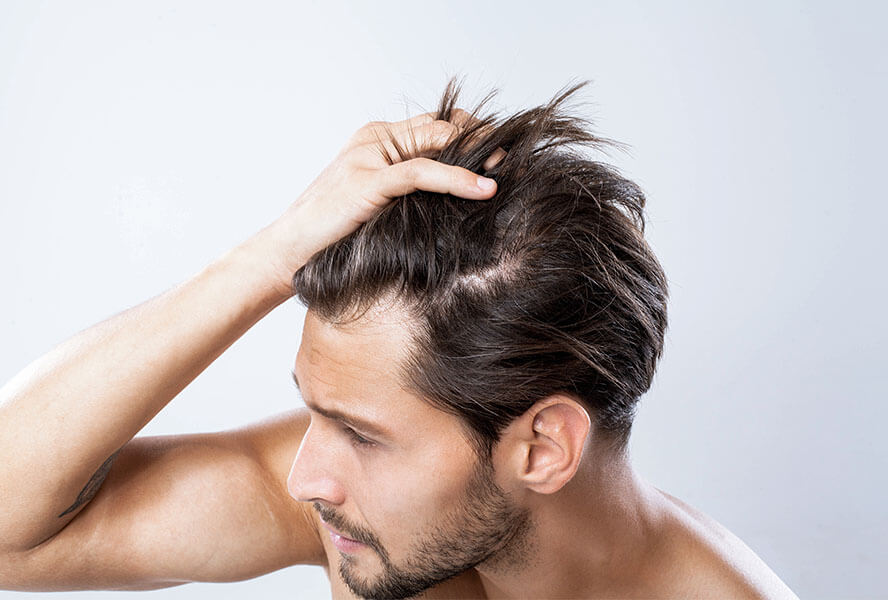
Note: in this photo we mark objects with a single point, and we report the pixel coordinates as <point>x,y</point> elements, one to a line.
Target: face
<point>391,472</point>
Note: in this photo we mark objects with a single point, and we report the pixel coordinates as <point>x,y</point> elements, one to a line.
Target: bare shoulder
<point>274,442</point>
<point>705,559</point>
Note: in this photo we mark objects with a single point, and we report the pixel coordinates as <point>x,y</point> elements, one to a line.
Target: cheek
<point>408,496</point>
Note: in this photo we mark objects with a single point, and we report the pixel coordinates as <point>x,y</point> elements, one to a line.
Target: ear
<point>547,443</point>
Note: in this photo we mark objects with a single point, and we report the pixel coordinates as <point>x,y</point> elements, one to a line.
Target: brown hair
<point>547,287</point>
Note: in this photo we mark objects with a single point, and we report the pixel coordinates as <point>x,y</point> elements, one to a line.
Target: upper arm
<point>180,508</point>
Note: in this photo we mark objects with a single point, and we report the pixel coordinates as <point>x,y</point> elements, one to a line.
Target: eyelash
<point>357,439</point>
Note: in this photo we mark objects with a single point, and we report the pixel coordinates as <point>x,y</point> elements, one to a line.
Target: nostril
<point>311,480</point>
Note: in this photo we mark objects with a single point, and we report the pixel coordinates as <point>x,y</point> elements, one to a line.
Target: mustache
<point>339,523</point>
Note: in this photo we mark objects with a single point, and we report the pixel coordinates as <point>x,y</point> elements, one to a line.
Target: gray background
<point>138,141</point>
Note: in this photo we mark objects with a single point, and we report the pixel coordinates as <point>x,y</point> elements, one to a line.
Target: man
<point>470,362</point>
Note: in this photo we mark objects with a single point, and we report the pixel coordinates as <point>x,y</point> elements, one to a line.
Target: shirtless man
<point>394,492</point>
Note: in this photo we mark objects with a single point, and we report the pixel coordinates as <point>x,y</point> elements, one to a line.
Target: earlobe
<point>558,435</point>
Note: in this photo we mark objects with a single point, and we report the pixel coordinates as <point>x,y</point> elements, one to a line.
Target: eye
<point>357,439</point>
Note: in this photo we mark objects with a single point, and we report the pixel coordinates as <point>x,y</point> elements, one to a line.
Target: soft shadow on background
<point>140,141</point>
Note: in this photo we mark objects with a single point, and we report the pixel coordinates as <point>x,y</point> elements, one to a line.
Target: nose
<point>312,475</point>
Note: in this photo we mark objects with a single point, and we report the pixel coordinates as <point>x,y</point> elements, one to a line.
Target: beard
<point>485,527</point>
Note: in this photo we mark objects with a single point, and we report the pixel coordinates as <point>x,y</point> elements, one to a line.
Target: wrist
<point>273,254</point>
<point>254,263</point>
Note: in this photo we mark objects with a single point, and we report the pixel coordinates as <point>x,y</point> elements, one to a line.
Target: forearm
<point>65,414</point>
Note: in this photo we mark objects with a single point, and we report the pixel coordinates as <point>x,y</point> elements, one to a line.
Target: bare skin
<point>601,531</point>
<point>89,506</point>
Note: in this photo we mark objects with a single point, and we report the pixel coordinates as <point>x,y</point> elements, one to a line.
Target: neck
<point>589,538</point>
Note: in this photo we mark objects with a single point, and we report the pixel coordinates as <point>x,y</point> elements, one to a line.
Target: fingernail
<point>486,184</point>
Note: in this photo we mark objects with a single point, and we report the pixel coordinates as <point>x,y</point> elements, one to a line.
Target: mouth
<point>332,529</point>
<point>343,543</point>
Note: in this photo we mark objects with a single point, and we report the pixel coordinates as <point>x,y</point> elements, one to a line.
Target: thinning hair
<point>548,287</point>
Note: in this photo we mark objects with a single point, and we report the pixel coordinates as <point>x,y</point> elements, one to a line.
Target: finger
<point>462,118</point>
<point>432,176</point>
<point>369,132</point>
<point>431,136</point>
<point>423,132</point>
<point>436,135</point>
<point>481,134</point>
<point>494,158</point>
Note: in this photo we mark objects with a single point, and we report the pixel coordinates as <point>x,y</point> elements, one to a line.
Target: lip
<point>342,543</point>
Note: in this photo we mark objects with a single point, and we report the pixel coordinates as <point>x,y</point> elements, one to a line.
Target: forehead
<point>370,349</point>
<point>355,368</point>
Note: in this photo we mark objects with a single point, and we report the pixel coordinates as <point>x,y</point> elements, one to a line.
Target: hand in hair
<point>360,182</point>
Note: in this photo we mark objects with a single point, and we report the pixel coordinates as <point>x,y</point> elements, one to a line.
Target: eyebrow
<point>337,415</point>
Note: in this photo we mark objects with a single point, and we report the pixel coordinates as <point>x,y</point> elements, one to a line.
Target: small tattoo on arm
<point>93,485</point>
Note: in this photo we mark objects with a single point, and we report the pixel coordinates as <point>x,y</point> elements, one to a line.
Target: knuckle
<point>363,132</point>
<point>425,167</point>
<point>463,115</point>
<point>369,131</point>
<point>419,120</point>
<point>462,178</point>
<point>443,128</point>
<point>440,132</point>
<point>353,154</point>
<point>411,169</point>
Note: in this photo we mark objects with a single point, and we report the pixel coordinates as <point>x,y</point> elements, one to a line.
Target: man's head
<point>411,488</point>
<point>492,341</point>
